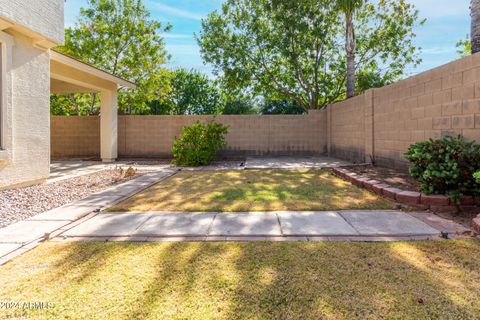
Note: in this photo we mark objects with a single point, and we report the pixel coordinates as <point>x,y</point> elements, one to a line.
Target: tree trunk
<point>350,47</point>
<point>75,103</point>
<point>92,104</point>
<point>475,27</point>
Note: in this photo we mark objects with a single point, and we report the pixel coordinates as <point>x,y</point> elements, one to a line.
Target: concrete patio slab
<point>292,163</point>
<point>66,169</point>
<point>109,225</point>
<point>6,248</point>
<point>174,224</point>
<point>392,223</point>
<point>246,224</point>
<point>26,231</point>
<point>314,224</point>
<point>63,170</point>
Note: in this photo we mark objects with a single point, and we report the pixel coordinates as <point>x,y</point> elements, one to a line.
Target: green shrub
<point>445,166</point>
<point>476,175</point>
<point>199,143</point>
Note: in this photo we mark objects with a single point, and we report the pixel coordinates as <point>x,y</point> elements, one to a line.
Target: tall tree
<point>120,37</point>
<point>194,93</point>
<point>348,7</point>
<point>284,106</point>
<point>240,105</point>
<point>290,48</point>
<point>475,26</point>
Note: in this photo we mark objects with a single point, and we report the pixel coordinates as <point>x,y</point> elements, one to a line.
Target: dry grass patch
<point>253,190</point>
<point>99,280</point>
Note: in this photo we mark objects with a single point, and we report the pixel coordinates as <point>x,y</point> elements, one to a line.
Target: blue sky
<point>447,22</point>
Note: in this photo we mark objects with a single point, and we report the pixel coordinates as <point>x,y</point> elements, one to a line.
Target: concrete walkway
<point>293,163</point>
<point>306,226</point>
<point>67,169</point>
<point>25,235</point>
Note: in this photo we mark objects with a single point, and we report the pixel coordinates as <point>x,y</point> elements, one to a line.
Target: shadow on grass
<point>346,281</point>
<point>417,280</point>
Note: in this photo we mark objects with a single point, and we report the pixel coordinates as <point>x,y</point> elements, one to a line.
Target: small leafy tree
<point>476,175</point>
<point>292,48</point>
<point>464,48</point>
<point>199,143</point>
<point>446,166</point>
<point>194,93</point>
<point>73,104</point>
<point>371,79</point>
<point>285,106</point>
<point>120,37</point>
<point>240,105</point>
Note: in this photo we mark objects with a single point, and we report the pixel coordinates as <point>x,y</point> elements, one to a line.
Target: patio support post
<point>108,125</point>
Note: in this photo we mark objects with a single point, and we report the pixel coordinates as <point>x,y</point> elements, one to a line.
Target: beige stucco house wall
<point>28,29</point>
<point>30,71</point>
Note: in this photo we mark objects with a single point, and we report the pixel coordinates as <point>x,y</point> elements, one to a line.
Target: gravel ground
<point>23,203</point>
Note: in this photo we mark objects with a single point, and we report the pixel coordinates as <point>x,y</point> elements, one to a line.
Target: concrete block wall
<point>378,125</point>
<point>153,136</point>
<point>75,137</point>
<point>442,101</point>
<point>346,130</point>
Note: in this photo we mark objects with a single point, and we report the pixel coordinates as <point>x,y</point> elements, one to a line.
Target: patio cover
<point>68,75</point>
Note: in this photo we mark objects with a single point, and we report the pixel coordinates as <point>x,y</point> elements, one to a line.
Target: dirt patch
<point>465,218</point>
<point>391,177</point>
<point>403,181</point>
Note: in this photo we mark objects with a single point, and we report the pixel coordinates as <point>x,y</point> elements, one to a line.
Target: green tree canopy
<point>240,105</point>
<point>285,106</point>
<point>293,48</point>
<point>192,93</point>
<point>120,37</point>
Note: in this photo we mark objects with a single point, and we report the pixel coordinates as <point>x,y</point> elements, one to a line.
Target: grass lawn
<point>253,190</point>
<point>327,280</point>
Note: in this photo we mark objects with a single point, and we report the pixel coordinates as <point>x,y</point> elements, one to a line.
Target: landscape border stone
<point>435,203</point>
<point>476,224</point>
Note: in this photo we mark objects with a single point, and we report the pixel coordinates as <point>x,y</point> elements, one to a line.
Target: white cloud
<point>163,8</point>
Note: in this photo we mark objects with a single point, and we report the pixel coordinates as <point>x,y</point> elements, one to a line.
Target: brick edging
<point>476,224</point>
<point>435,203</point>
